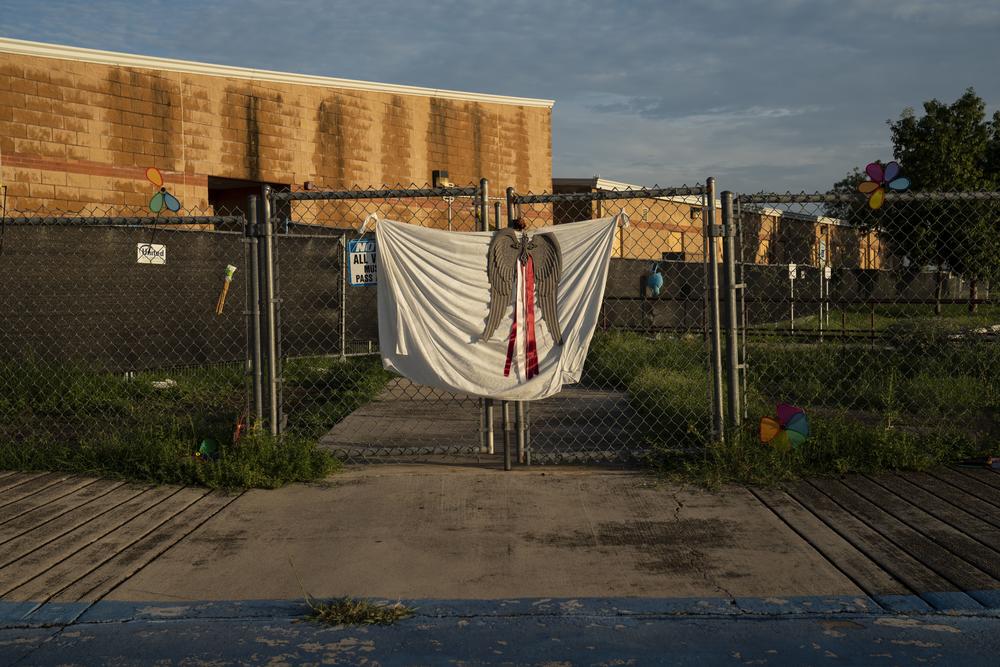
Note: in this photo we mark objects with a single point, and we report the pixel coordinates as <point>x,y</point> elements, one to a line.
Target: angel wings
<point>507,249</point>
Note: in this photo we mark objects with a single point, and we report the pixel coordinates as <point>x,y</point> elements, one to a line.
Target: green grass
<point>356,611</point>
<point>916,401</point>
<point>77,419</point>
<point>858,317</point>
<point>835,447</point>
<point>319,392</point>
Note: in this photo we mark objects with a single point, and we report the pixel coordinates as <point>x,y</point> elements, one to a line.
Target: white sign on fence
<point>150,253</point>
<point>361,262</point>
<point>827,272</point>
<point>792,270</point>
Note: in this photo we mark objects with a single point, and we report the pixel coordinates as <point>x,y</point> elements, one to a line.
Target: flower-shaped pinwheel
<point>880,180</point>
<point>790,429</point>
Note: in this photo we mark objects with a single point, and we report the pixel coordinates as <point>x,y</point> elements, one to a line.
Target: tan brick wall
<point>774,239</point>
<point>76,134</point>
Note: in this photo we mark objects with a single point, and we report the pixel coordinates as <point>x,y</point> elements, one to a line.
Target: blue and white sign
<point>361,262</point>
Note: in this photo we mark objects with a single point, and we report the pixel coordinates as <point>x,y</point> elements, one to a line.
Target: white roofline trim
<point>42,50</point>
<point>599,183</point>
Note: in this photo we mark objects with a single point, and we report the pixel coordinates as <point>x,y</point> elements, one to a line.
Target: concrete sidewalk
<point>610,564</point>
<point>920,542</point>
<point>408,532</point>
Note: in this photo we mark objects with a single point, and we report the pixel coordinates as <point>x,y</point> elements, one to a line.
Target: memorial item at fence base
<point>443,296</point>
<point>161,198</point>
<point>221,303</point>
<point>787,430</point>
<point>880,179</point>
<point>241,428</point>
<point>208,450</point>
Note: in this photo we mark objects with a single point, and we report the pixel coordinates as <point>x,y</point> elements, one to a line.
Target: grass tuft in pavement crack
<point>356,611</point>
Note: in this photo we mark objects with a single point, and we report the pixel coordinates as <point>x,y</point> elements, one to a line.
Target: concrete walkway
<point>408,421</point>
<point>550,541</point>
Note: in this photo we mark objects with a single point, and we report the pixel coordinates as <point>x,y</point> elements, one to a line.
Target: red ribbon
<point>531,345</point>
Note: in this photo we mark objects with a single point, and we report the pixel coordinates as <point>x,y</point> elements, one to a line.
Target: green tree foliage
<point>949,148</point>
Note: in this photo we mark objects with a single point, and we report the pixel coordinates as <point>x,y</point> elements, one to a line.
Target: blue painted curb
<point>22,614</point>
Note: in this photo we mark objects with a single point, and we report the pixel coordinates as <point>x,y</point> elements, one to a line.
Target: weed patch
<point>147,427</point>
<point>355,611</point>
<point>926,402</point>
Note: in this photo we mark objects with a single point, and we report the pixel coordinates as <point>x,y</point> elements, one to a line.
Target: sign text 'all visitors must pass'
<point>361,261</point>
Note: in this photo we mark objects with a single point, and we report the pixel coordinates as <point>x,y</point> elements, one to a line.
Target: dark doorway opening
<point>228,196</point>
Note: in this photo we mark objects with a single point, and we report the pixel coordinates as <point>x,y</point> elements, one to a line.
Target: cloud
<point>772,94</point>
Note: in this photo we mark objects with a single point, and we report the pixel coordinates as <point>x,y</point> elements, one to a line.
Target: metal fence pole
<point>253,309</point>
<point>485,405</point>
<point>496,215</point>
<point>744,318</point>
<point>510,207</point>
<point>505,409</point>
<point>343,297</point>
<point>484,206</point>
<point>263,344</point>
<point>732,349</point>
<point>521,433</point>
<point>527,432</point>
<point>272,330</point>
<point>518,405</point>
<point>715,325</point>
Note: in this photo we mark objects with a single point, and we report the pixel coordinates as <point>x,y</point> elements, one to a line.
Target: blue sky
<point>762,94</point>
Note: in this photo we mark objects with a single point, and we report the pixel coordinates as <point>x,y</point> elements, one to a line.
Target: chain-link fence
<point>648,380</point>
<point>877,322</point>
<point>333,387</point>
<point>112,329</point>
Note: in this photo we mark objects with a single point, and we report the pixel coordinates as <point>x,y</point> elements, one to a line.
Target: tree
<point>950,148</point>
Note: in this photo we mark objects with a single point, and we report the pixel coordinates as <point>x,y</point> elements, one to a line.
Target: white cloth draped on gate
<point>433,300</point>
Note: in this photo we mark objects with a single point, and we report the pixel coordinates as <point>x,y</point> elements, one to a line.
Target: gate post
<point>485,404</point>
<point>714,231</point>
<point>270,316</point>
<point>253,310</point>
<point>732,351</point>
<point>484,206</point>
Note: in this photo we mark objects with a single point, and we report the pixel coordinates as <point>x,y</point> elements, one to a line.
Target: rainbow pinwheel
<point>880,180</point>
<point>790,429</point>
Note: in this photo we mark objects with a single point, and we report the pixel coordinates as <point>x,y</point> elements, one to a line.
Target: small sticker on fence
<point>150,253</point>
<point>792,269</point>
<point>361,262</point>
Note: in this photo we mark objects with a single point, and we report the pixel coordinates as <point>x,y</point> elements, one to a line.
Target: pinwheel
<point>161,198</point>
<point>880,180</point>
<point>790,428</point>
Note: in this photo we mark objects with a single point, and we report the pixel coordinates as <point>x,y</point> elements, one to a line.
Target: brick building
<point>79,127</point>
<point>670,228</point>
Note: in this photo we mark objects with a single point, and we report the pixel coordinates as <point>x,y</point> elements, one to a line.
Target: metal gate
<point>331,385</point>
<point>652,380</point>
